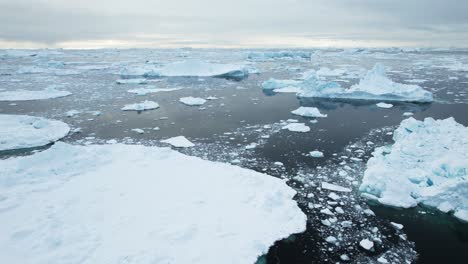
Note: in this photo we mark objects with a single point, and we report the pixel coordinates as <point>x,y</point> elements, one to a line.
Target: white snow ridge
<point>135,204</point>
<point>428,164</point>
<point>22,131</point>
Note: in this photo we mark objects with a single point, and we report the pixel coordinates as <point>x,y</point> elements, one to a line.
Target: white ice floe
<point>374,86</point>
<point>72,113</point>
<point>22,131</point>
<point>145,91</point>
<point>145,105</point>
<point>188,68</point>
<point>179,142</point>
<point>26,95</point>
<point>296,127</point>
<point>138,130</point>
<point>132,81</point>
<point>316,154</point>
<point>384,105</point>
<point>428,164</point>
<point>334,187</point>
<point>308,112</point>
<point>274,84</point>
<point>135,204</point>
<point>192,101</point>
<point>366,244</point>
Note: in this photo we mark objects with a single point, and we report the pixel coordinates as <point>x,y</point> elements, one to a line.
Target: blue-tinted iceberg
<point>427,164</point>
<point>374,86</point>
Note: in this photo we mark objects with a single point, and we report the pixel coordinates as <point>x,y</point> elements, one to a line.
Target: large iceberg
<point>26,95</point>
<point>190,68</point>
<point>22,131</point>
<point>427,164</point>
<point>135,204</point>
<point>374,86</point>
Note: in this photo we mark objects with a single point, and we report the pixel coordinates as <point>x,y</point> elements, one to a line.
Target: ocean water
<point>244,114</point>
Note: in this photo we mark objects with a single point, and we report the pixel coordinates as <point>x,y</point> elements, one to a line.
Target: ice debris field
<point>239,156</point>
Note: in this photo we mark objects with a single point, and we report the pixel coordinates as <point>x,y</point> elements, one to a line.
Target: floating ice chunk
<point>145,105</point>
<point>26,95</point>
<point>334,187</point>
<point>384,105</point>
<point>396,225</point>
<point>138,130</point>
<point>212,98</point>
<point>72,113</point>
<point>407,114</point>
<point>428,164</point>
<point>251,146</point>
<point>382,260</point>
<point>145,91</point>
<point>297,127</point>
<point>344,257</point>
<point>179,142</point>
<point>366,244</point>
<point>132,81</point>
<point>316,154</point>
<point>308,112</point>
<point>331,239</point>
<point>22,131</point>
<point>192,101</point>
<point>88,202</point>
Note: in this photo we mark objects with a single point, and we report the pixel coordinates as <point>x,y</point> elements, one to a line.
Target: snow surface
<point>308,112</point>
<point>192,101</point>
<point>145,105</point>
<point>428,164</point>
<point>179,142</point>
<point>26,95</point>
<point>135,204</point>
<point>22,131</point>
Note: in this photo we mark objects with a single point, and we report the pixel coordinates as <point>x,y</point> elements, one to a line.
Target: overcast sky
<point>241,23</point>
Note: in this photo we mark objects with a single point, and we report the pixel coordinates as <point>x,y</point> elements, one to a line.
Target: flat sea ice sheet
<point>26,95</point>
<point>22,131</point>
<point>136,204</point>
<point>427,164</point>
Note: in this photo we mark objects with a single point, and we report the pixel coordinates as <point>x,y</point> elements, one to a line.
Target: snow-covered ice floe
<point>132,81</point>
<point>192,101</point>
<point>22,131</point>
<point>135,204</point>
<point>374,86</point>
<point>308,112</point>
<point>427,164</point>
<point>145,105</point>
<point>297,127</point>
<point>178,142</point>
<point>27,95</point>
<point>190,68</point>
<point>145,91</point>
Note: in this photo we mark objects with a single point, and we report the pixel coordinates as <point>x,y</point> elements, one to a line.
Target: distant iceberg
<point>374,86</point>
<point>26,95</point>
<point>269,55</point>
<point>427,164</point>
<point>22,131</point>
<point>190,68</point>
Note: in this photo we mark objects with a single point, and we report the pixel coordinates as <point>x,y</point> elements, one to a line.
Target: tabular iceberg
<point>27,95</point>
<point>428,164</point>
<point>135,204</point>
<point>22,131</point>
